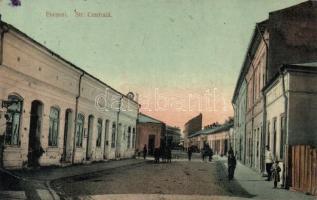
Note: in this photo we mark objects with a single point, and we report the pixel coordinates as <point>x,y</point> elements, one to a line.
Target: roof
<point>300,67</point>
<point>142,118</point>
<point>213,130</point>
<point>254,42</point>
<point>9,26</point>
<point>173,128</point>
<point>194,118</point>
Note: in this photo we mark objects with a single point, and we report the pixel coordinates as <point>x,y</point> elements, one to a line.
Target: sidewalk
<point>256,185</point>
<point>52,173</point>
<point>35,184</point>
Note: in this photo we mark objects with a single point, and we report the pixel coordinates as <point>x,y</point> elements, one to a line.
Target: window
<point>258,142</point>
<point>129,136</point>
<point>53,127</point>
<point>113,135</point>
<point>80,130</point>
<point>133,138</point>
<point>268,138</point>
<point>14,112</point>
<point>274,137</point>
<point>99,132</point>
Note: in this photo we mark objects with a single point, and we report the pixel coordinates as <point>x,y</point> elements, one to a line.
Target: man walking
<point>189,153</point>
<point>232,162</point>
<point>268,162</point>
<point>144,152</point>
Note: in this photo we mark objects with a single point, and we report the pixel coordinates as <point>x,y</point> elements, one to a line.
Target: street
<point>135,179</point>
<point>179,177</point>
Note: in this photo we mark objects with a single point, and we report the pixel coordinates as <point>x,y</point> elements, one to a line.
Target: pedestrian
<point>204,151</point>
<point>203,154</point>
<point>268,162</point>
<point>157,155</point>
<point>189,153</point>
<point>169,154</point>
<point>163,154</point>
<point>232,162</point>
<point>276,173</point>
<point>144,152</point>
<point>210,153</point>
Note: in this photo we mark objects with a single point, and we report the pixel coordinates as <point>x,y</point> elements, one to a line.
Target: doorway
<point>106,142</point>
<point>119,141</point>
<point>151,144</point>
<point>35,149</point>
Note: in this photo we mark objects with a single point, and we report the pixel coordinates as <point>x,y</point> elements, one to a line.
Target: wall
<point>239,123</point>
<point>217,141</point>
<point>293,32</point>
<point>146,129</point>
<point>275,107</point>
<point>255,78</point>
<point>302,108</point>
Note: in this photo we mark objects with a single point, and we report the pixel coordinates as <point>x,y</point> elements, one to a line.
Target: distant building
<point>150,132</point>
<point>191,127</point>
<point>173,136</point>
<point>218,137</point>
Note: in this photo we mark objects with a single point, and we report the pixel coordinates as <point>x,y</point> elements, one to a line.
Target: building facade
<point>173,136</point>
<point>219,137</point>
<point>151,132</point>
<point>291,111</point>
<point>192,126</point>
<point>51,108</point>
<point>239,135</point>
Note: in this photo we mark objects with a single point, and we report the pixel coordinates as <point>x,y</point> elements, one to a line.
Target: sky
<point>181,57</point>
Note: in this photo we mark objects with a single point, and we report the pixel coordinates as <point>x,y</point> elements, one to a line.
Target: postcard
<point>158,100</point>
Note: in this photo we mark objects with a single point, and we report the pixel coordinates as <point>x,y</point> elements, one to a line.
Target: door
<point>151,144</point>
<point>35,150</point>
<point>106,141</point>
<point>119,141</point>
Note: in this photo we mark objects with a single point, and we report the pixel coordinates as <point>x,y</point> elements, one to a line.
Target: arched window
<point>80,130</point>
<point>99,132</point>
<point>13,117</point>
<point>113,135</point>
<point>54,127</point>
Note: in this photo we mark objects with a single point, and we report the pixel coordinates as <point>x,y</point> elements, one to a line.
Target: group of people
<point>206,151</point>
<point>164,153</point>
<point>272,167</point>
